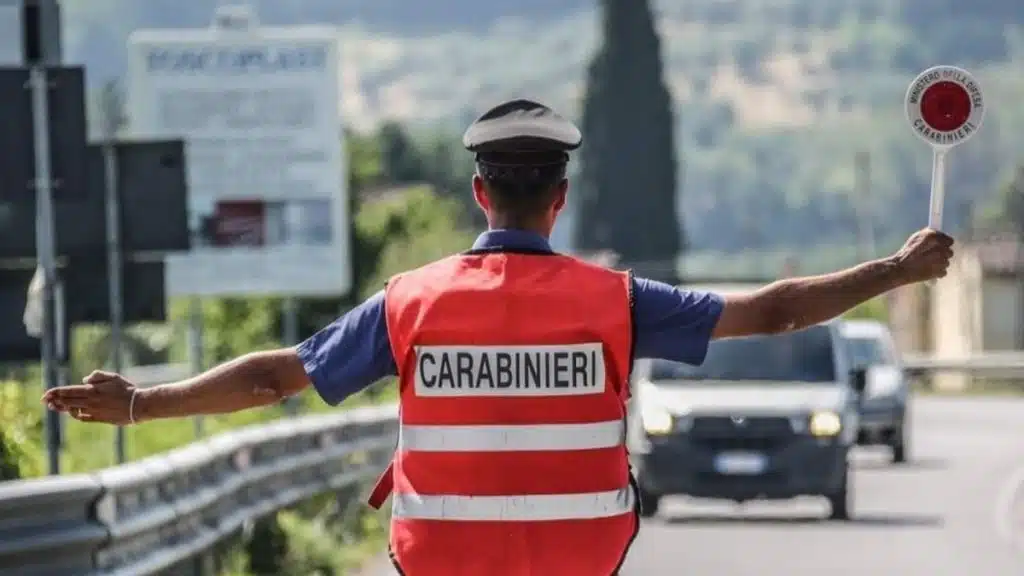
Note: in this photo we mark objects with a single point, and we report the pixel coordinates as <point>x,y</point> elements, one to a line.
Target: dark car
<point>766,417</point>
<point>883,406</point>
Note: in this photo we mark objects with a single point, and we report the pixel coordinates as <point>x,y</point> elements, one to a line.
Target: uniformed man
<point>513,364</point>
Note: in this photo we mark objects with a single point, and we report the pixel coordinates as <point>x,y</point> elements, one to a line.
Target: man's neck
<point>540,231</point>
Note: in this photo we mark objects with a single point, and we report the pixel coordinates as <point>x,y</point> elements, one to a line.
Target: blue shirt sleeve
<point>674,324</point>
<point>351,353</point>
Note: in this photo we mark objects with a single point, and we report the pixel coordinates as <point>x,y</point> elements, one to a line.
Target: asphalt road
<point>956,510</point>
<point>945,513</point>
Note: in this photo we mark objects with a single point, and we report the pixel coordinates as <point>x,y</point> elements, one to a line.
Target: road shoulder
<point>1017,520</point>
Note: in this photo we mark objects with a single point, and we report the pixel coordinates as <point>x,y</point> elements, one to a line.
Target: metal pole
<point>61,336</point>
<point>62,348</point>
<point>195,350</point>
<point>290,313</point>
<point>111,119</point>
<point>291,321</point>
<point>46,248</point>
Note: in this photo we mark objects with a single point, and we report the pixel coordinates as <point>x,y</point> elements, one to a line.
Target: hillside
<point>773,96</point>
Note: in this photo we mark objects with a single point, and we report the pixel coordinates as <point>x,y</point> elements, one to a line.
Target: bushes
<point>304,546</point>
<point>21,446</point>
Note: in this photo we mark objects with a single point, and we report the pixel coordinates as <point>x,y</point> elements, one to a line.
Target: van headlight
<point>659,421</point>
<point>825,424</point>
<point>656,419</point>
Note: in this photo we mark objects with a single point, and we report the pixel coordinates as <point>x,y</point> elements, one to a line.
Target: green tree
<point>448,169</point>
<point>629,171</point>
<point>401,160</point>
<point>420,227</point>
<point>434,157</point>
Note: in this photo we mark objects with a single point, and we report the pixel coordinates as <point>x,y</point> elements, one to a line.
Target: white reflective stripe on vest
<point>541,507</point>
<point>546,437</point>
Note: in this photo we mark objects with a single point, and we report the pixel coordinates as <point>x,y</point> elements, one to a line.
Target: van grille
<point>754,433</point>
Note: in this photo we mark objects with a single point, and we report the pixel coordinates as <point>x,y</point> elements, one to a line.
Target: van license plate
<point>740,463</point>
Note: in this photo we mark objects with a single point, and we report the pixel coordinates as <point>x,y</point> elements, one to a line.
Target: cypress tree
<point>628,181</point>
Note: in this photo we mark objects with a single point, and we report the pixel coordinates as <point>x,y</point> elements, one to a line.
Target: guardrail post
<point>204,565</point>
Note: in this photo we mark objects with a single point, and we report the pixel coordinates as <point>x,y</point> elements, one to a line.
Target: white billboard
<point>258,109</point>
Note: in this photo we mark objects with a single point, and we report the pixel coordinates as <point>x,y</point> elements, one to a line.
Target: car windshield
<point>865,352</point>
<point>803,356</point>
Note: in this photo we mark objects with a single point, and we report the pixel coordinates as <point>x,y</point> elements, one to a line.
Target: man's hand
<point>925,256</point>
<point>102,397</point>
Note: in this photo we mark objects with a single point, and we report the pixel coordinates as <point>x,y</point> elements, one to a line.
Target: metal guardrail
<point>165,514</point>
<point>985,364</point>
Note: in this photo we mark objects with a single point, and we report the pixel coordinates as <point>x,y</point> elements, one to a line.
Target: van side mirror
<point>859,380</point>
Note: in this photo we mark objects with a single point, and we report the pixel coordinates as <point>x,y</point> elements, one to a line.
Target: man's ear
<point>561,190</point>
<point>480,193</point>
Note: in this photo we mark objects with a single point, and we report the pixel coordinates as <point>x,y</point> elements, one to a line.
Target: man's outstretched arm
<point>345,357</point>
<point>249,381</point>
<point>796,303</point>
<point>252,380</point>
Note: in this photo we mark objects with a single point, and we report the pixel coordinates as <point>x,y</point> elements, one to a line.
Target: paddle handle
<point>937,200</point>
<point>938,196</point>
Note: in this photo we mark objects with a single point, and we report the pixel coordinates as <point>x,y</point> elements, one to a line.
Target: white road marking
<point>1007,507</point>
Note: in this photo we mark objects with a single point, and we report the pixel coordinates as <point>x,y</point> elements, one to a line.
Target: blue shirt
<point>353,352</point>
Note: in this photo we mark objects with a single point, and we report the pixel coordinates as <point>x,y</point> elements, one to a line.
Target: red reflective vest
<point>511,461</point>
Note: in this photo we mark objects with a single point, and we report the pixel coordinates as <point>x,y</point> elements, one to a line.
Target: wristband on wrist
<point>131,406</point>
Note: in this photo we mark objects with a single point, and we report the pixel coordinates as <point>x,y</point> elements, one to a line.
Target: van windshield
<point>867,352</point>
<point>803,356</point>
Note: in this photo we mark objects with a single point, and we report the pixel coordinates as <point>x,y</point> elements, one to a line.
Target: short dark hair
<point>522,194</point>
<point>521,184</point>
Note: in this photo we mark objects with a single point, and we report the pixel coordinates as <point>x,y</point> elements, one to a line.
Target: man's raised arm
<point>796,303</point>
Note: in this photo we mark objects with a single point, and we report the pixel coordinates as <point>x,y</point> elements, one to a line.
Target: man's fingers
<point>97,376</point>
<point>69,392</point>
<point>940,237</point>
<point>939,247</point>
<point>76,403</point>
<point>71,397</point>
